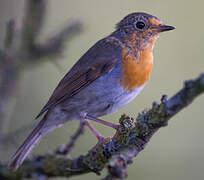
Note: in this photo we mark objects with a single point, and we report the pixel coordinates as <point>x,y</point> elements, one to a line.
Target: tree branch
<point>22,51</point>
<point>116,154</point>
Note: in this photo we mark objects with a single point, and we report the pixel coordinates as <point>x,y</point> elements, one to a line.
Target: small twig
<point>35,11</point>
<point>55,45</point>
<point>117,168</point>
<point>8,71</point>
<point>10,33</point>
<point>66,149</point>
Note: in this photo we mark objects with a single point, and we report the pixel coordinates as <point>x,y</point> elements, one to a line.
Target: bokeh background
<point>176,151</point>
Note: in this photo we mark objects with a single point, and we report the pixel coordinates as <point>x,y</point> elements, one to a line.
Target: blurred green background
<point>176,151</point>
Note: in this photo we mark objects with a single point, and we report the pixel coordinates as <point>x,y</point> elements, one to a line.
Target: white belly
<point>125,98</point>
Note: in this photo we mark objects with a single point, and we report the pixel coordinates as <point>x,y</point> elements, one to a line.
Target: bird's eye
<point>140,25</point>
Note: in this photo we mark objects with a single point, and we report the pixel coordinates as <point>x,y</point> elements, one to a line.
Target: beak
<point>163,28</point>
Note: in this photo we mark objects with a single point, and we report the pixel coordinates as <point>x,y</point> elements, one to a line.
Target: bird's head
<point>141,29</point>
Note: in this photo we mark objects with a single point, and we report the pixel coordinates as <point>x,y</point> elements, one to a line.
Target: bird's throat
<point>136,67</point>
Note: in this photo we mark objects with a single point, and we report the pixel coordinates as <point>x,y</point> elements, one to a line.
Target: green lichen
<point>96,159</point>
<point>56,165</point>
<point>126,125</point>
<point>100,154</point>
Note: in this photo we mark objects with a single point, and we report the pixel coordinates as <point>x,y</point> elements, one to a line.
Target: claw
<point>101,141</point>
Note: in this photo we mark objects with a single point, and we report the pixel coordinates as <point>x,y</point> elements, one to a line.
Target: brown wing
<point>98,60</point>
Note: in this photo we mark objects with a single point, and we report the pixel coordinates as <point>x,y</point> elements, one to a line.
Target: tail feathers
<point>23,151</point>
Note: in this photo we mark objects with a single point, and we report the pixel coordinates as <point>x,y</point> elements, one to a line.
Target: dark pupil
<point>140,25</point>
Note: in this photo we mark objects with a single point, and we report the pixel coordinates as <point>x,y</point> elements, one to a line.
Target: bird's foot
<point>101,140</point>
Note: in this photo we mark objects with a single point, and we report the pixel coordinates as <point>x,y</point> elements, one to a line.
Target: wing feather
<point>98,60</point>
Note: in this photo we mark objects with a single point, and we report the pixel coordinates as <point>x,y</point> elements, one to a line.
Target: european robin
<point>106,78</point>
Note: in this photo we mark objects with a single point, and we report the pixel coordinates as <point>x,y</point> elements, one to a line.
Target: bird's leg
<point>100,138</point>
<point>96,133</point>
<point>114,126</point>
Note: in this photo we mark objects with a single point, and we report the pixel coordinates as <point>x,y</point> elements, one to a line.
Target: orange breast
<point>136,71</point>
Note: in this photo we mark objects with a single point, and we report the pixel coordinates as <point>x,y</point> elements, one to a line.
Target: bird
<point>105,79</point>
